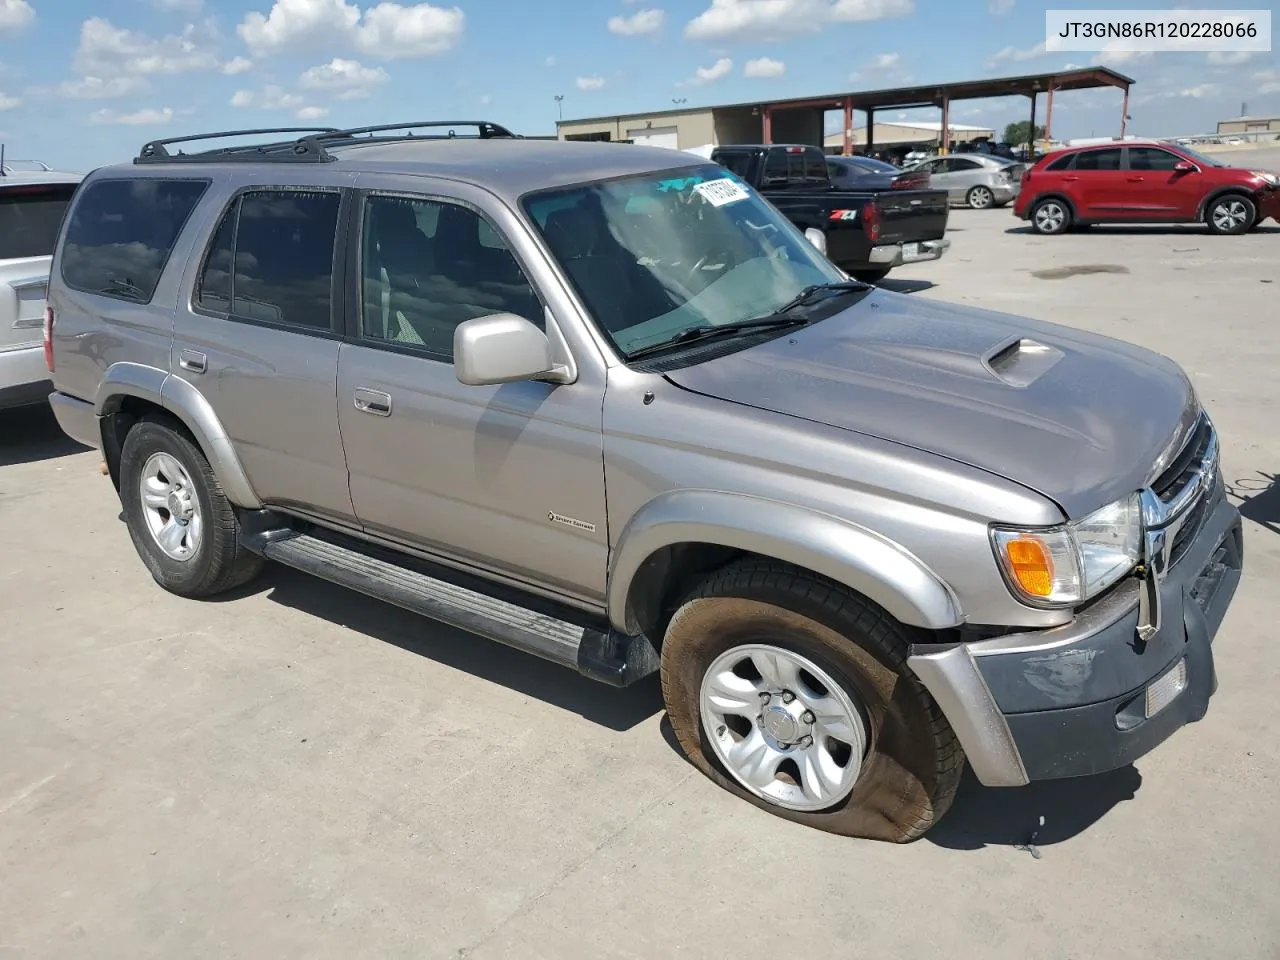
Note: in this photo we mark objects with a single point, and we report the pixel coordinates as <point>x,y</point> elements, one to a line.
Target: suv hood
<point>1081,418</point>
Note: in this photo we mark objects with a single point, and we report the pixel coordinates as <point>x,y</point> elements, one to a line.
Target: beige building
<point>1249,125</point>
<point>916,131</point>
<point>680,129</point>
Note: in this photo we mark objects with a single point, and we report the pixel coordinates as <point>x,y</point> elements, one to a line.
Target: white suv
<point>31,207</point>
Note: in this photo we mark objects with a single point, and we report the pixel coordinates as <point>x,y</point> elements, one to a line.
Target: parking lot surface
<point>297,771</point>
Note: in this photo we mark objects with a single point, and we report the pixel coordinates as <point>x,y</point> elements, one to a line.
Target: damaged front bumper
<point>1093,695</point>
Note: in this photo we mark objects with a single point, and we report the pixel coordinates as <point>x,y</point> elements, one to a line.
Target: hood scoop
<point>1021,361</point>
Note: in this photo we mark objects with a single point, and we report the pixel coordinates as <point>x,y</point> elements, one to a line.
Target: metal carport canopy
<point>941,95</point>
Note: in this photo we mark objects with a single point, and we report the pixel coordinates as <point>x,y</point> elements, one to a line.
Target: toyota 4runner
<point>607,405</point>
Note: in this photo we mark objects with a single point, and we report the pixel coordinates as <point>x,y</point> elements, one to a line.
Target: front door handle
<point>193,361</point>
<point>373,402</point>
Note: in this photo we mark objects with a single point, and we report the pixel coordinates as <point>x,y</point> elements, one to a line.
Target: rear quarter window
<point>121,233</point>
<point>1061,163</point>
<point>30,217</point>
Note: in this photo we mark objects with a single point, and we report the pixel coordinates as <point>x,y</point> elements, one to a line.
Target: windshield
<point>660,253</point>
<point>1199,158</point>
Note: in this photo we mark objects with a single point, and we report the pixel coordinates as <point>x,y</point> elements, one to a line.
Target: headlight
<point>1067,564</point>
<point>1266,175</point>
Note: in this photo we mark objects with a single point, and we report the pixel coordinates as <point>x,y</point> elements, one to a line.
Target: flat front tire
<point>180,521</point>
<point>793,693</point>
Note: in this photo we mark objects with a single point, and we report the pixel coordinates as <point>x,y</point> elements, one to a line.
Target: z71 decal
<point>844,215</point>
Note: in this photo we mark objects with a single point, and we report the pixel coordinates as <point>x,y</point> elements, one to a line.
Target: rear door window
<point>121,233</point>
<point>1101,160</point>
<point>30,216</point>
<point>281,243</point>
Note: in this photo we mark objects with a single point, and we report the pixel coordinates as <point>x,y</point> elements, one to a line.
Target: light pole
<point>560,106</point>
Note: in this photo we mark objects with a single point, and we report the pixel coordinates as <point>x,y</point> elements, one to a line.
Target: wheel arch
<point>129,391</point>
<point>1215,195</point>
<point>680,535</point>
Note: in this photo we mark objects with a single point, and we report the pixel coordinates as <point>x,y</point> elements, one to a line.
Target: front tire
<point>980,197</point>
<point>1231,215</point>
<point>180,521</point>
<point>848,741</point>
<point>1051,217</point>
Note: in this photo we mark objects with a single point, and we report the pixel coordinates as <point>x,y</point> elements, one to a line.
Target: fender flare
<point>190,406</point>
<point>1221,192</point>
<point>865,561</point>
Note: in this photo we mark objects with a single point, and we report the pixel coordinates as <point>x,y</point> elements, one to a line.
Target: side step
<point>604,655</point>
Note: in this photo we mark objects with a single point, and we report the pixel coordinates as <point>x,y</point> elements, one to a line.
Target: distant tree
<point>1020,132</point>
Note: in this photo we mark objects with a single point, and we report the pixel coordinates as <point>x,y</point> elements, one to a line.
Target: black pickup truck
<point>865,232</point>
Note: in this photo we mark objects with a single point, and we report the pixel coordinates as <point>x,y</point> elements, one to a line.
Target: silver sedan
<point>976,179</point>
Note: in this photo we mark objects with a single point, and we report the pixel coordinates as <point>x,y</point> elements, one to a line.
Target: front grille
<point>1173,481</point>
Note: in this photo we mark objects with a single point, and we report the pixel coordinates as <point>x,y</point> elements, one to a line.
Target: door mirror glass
<point>500,348</point>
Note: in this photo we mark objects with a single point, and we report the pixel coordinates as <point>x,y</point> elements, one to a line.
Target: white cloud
<point>716,71</point>
<point>237,65</point>
<point>8,102</point>
<point>764,67</point>
<point>590,83</point>
<point>1000,7</point>
<point>1268,81</point>
<point>313,113</point>
<point>1230,58</point>
<point>485,99</point>
<point>15,16</point>
<point>640,22</point>
<point>146,117</point>
<point>96,88</point>
<point>107,50</point>
<point>886,61</point>
<point>269,97</point>
<point>1111,57</point>
<point>1016,55</point>
<point>181,6</point>
<point>1199,91</point>
<point>549,62</point>
<point>345,79</point>
<point>773,19</point>
<point>387,31</point>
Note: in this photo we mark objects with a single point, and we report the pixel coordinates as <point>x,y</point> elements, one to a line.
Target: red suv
<point>1144,182</point>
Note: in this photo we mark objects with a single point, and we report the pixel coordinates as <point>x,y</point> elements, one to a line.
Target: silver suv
<point>603,403</point>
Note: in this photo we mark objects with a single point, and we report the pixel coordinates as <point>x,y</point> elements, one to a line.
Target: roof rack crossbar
<point>304,149</point>
<point>485,129</point>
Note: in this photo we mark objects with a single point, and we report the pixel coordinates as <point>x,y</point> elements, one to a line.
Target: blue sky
<point>82,84</point>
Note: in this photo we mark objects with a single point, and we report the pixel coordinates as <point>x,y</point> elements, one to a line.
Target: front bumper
<point>896,254</point>
<point>1071,701</point>
<point>1269,204</point>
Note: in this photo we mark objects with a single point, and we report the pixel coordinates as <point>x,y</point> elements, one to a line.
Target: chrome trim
<point>1187,429</point>
<point>952,678</point>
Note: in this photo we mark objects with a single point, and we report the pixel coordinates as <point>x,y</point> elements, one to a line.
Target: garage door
<point>654,137</point>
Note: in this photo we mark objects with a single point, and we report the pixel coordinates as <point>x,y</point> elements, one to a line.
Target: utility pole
<point>559,106</point>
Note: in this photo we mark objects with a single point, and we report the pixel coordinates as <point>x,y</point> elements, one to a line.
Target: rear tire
<point>759,611</point>
<point>979,197</point>
<point>1231,215</point>
<point>870,276</point>
<point>1050,217</point>
<point>181,523</point>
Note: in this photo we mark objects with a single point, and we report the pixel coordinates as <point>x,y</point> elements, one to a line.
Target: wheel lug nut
<point>765,698</point>
<point>787,696</point>
<point>808,717</point>
<point>805,743</point>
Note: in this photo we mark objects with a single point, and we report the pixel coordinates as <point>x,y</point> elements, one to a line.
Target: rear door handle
<point>373,402</point>
<point>193,361</point>
<point>1136,179</point>
<point>1070,179</point>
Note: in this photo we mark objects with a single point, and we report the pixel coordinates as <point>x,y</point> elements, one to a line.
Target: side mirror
<point>817,238</point>
<point>501,348</point>
<point>1184,167</point>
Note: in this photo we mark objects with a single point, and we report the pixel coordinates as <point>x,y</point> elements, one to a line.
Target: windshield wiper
<point>714,332</point>
<point>806,296</point>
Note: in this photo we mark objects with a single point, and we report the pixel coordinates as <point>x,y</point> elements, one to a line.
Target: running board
<point>607,656</point>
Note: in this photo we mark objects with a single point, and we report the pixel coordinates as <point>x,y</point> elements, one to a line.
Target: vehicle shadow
<point>1037,815</point>
<point>524,673</point>
<point>31,434</point>
<point>1259,499</point>
<point>898,285</point>
<point>1153,230</point>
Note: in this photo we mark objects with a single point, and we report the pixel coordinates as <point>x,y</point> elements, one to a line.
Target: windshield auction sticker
<point>1149,31</point>
<point>719,192</point>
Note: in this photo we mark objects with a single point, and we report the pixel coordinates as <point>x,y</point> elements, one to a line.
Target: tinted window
<point>958,164</point>
<point>122,232</point>
<point>1149,158</point>
<point>1063,162</point>
<point>1098,160</point>
<point>739,163</point>
<point>417,287</point>
<point>30,217</point>
<point>775,165</point>
<point>281,243</point>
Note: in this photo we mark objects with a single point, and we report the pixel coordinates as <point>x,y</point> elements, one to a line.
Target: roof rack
<point>295,150</point>
<point>309,148</point>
